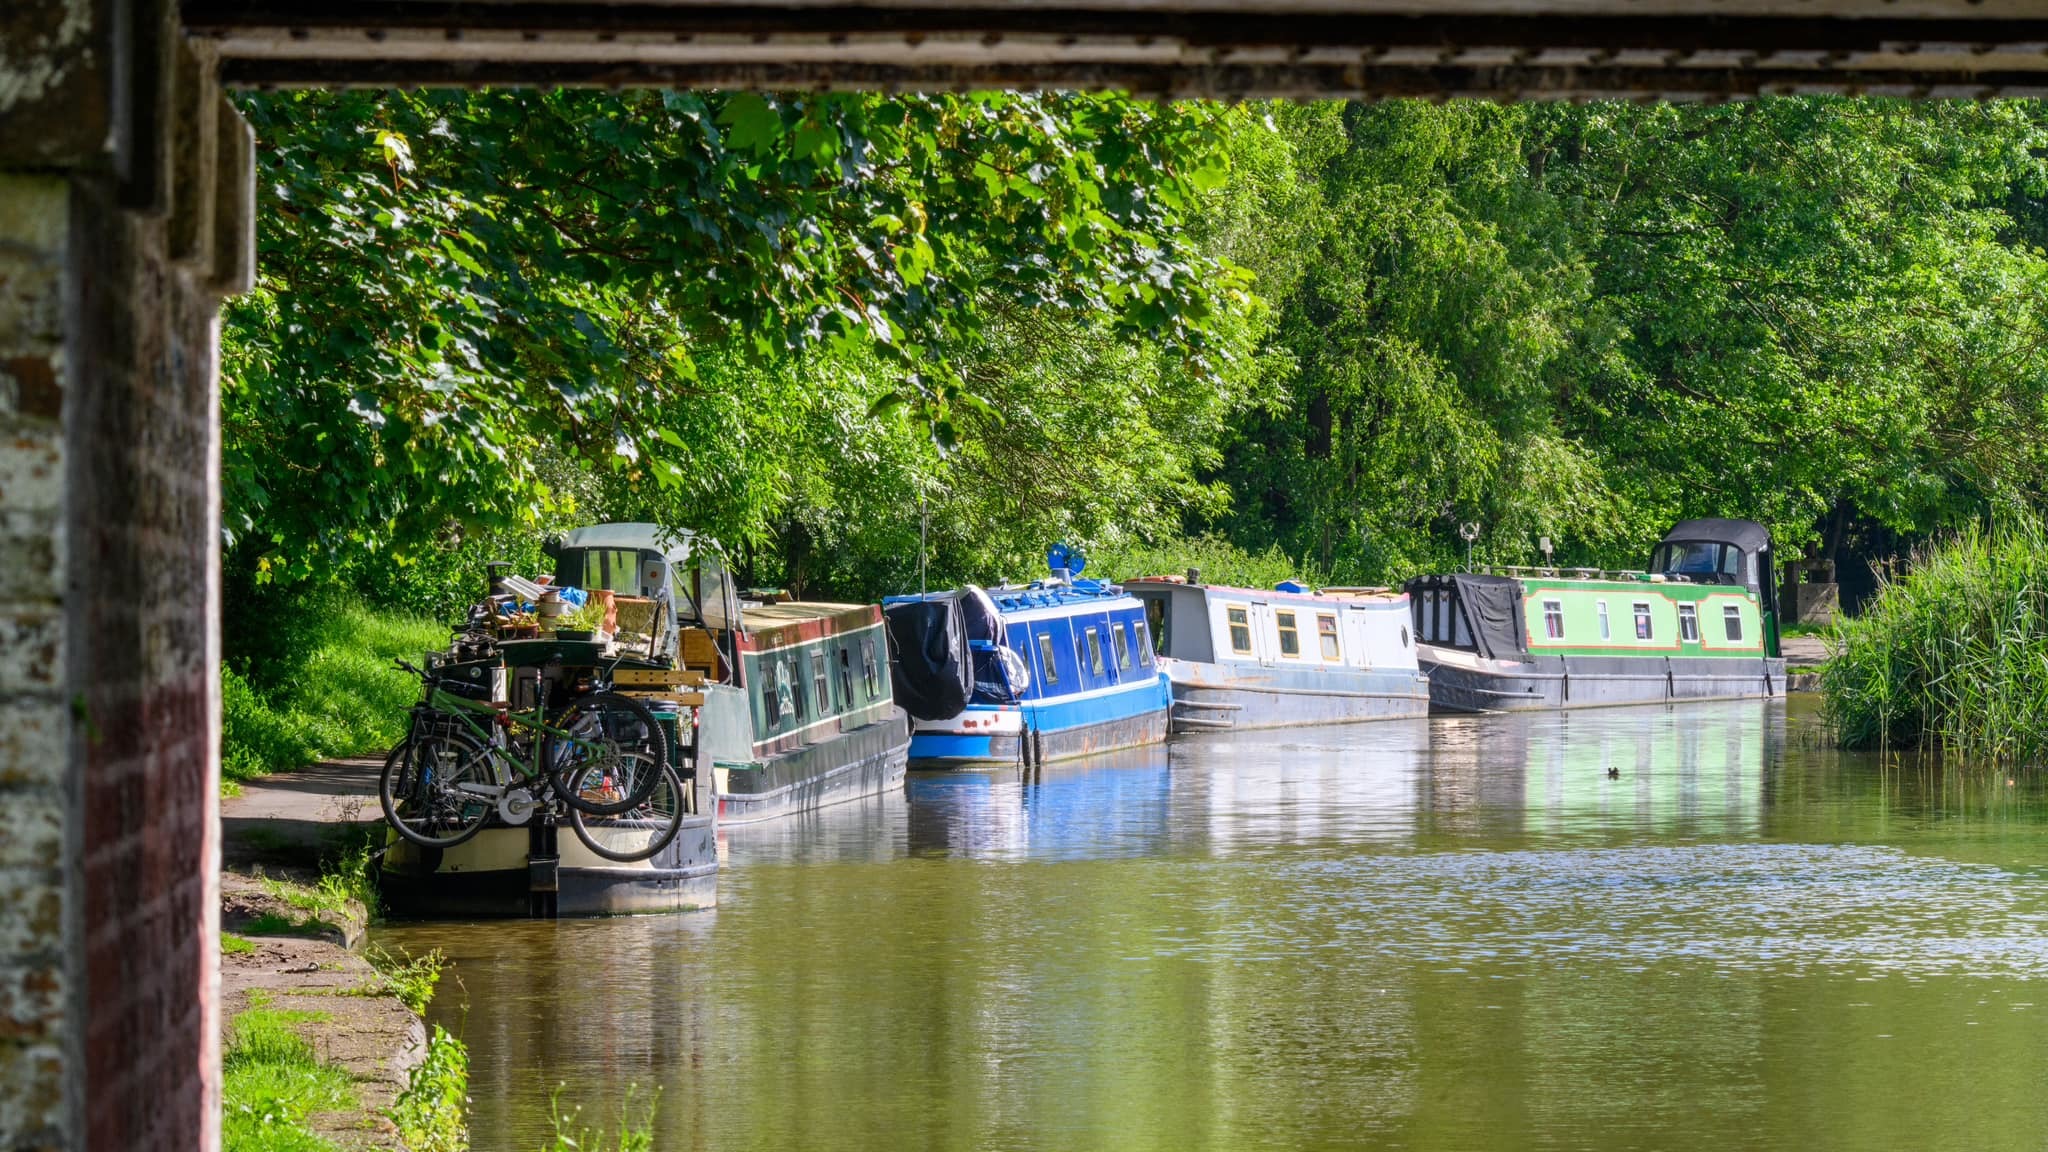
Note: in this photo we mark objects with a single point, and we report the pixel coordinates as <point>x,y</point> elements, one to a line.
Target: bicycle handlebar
<point>405,667</point>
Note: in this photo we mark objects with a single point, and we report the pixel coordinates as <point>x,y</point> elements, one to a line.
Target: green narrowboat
<point>1699,624</point>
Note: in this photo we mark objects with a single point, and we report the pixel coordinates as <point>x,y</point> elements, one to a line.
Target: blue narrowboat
<point>1063,667</point>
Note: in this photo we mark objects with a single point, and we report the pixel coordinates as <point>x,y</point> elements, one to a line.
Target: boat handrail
<point>1561,572</point>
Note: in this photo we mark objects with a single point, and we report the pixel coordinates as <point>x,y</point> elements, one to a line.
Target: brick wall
<point>142,536</point>
<point>108,658</point>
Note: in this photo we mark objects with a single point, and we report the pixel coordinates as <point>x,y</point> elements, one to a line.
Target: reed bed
<point>1952,652</point>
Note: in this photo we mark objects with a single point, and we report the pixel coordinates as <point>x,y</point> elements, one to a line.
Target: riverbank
<point>323,1043</point>
<point>1951,652</point>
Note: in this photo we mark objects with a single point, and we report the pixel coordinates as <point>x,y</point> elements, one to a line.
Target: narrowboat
<point>1059,668</point>
<point>778,708</point>
<point>1699,624</point>
<point>1240,658</point>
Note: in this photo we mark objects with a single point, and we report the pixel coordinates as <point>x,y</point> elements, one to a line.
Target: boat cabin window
<point>870,671</point>
<point>1688,623</point>
<point>821,685</point>
<point>1600,610</point>
<point>1123,647</point>
<point>780,695</point>
<point>1240,630</point>
<point>1553,619</point>
<point>846,674</point>
<point>1094,651</point>
<point>1731,622</point>
<point>1155,614</point>
<point>1642,609</point>
<point>1143,644</point>
<point>1326,628</point>
<point>794,677</point>
<point>1290,638</point>
<point>1048,670</point>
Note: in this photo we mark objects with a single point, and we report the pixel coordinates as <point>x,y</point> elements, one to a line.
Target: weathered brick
<point>33,745</point>
<point>31,1002</point>
<point>32,1095</point>
<point>33,913</point>
<point>32,635</point>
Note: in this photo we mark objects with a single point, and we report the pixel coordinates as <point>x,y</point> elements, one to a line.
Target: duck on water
<point>1699,624</point>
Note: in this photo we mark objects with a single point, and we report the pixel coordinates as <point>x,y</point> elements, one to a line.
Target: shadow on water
<point>1670,928</point>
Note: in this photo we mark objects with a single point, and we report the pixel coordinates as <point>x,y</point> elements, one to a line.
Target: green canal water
<point>1451,934</point>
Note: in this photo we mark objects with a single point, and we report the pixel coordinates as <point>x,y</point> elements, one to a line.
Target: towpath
<point>293,819</point>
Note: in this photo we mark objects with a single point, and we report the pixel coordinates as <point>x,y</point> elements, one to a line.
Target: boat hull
<point>1461,681</point>
<point>867,761</point>
<point>505,872</point>
<point>1043,731</point>
<point>1224,697</point>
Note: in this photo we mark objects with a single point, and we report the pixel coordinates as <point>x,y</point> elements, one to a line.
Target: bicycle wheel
<point>610,759</point>
<point>423,790</point>
<point>639,832</point>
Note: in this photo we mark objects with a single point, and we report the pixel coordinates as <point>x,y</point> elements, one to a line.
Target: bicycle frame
<point>461,708</point>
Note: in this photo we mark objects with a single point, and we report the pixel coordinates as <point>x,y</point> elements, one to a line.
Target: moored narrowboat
<point>1240,658</point>
<point>1063,667</point>
<point>1699,624</point>
<point>811,720</point>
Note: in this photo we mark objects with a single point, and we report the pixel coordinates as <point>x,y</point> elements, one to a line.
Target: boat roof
<point>1312,594</point>
<point>670,542</point>
<point>757,617</point>
<point>1747,535</point>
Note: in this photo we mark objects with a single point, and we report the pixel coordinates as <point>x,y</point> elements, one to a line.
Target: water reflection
<point>1673,928</point>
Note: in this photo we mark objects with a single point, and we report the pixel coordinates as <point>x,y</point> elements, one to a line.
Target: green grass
<point>432,1112</point>
<point>233,945</point>
<point>271,1082</point>
<point>1953,653</point>
<point>324,688</point>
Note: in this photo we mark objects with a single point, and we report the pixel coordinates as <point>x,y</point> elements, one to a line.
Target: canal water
<point>1682,928</point>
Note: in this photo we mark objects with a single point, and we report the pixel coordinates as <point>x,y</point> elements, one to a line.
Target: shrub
<point>431,1114</point>
<point>1220,561</point>
<point>1953,653</point>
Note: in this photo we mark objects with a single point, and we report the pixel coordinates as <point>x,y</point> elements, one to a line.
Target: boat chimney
<point>1194,575</point>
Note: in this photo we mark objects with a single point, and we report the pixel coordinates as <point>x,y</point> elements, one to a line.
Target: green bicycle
<point>603,760</point>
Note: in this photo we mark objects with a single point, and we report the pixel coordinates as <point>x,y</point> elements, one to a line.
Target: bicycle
<point>604,756</point>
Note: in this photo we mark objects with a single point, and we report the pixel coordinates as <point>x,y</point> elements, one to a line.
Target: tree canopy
<point>844,332</point>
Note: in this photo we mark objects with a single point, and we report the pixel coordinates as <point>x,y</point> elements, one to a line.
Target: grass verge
<point>272,1083</point>
<point>1954,652</point>
<point>323,687</point>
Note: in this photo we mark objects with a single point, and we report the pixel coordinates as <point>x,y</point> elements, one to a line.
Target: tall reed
<point>1952,652</point>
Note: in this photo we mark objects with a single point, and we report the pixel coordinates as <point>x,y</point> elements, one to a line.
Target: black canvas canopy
<point>1483,613</point>
<point>933,666</point>
<point>1493,610</point>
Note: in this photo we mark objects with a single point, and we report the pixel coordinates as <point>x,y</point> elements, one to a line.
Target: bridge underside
<point>1540,49</point>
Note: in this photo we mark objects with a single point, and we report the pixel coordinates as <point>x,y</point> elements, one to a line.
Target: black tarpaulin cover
<point>1493,610</point>
<point>933,669</point>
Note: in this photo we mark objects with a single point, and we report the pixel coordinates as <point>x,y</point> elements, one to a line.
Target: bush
<point>315,681</point>
<point>1953,654</point>
<point>1220,561</point>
